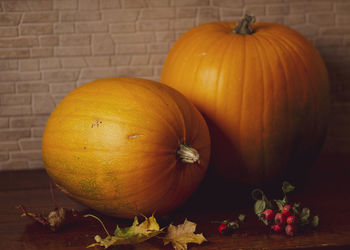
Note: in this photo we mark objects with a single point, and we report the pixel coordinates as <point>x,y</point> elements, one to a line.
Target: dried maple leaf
<point>134,234</point>
<point>183,234</point>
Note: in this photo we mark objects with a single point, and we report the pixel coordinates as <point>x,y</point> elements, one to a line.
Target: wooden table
<point>326,193</point>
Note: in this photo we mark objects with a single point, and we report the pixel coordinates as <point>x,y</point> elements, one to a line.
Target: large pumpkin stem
<point>244,26</point>
<point>187,154</point>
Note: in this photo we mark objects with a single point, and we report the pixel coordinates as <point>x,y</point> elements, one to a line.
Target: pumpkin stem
<point>244,26</point>
<point>187,154</point>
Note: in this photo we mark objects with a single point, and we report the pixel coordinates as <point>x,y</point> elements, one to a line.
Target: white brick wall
<point>49,47</point>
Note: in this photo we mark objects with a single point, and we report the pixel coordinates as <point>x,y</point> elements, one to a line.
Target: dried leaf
<point>183,234</point>
<point>134,234</point>
<point>56,220</point>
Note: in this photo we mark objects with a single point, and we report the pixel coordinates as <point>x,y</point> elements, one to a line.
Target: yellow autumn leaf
<point>181,235</point>
<point>134,234</point>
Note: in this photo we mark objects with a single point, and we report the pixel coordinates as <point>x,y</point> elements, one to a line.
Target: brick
<point>119,60</point>
<point>256,10</point>
<point>29,5</point>
<point>109,4</point>
<point>335,30</point>
<point>157,48</point>
<point>132,49</point>
<point>92,27</point>
<point>15,99</point>
<point>186,13</point>
<point>38,132</point>
<point>8,64</point>
<point>307,30</point>
<point>13,134</point>
<point>322,19</point>
<point>280,9</point>
<point>88,4</point>
<point>116,16</point>
<point>342,8</point>
<point>232,14</point>
<point>265,1</point>
<point>14,165</point>
<point>43,104</point>
<point>183,24</point>
<point>9,19</point>
<point>95,73</point>
<point>40,17</point>
<point>136,71</point>
<point>23,42</point>
<point>48,41</point>
<point>140,60</point>
<point>343,19</point>
<point>141,37</point>
<point>294,19</point>
<point>73,16</point>
<point>72,51</point>
<point>14,76</point>
<point>157,59</point>
<point>158,3</point>
<point>63,28</point>
<point>41,52</point>
<point>328,41</point>
<point>36,164</point>
<point>165,36</point>
<point>134,4</point>
<point>228,3</point>
<point>74,40</point>
<point>9,146</point>
<point>161,13</point>
<point>153,25</point>
<point>26,155</point>
<point>60,75</point>
<point>306,7</point>
<point>28,121</point>
<point>98,61</point>
<point>4,122</point>
<point>32,87</point>
<point>15,110</point>
<point>73,62</point>
<point>50,63</point>
<point>62,87</point>
<point>18,53</point>
<point>181,3</point>
<point>122,28</point>
<point>65,4</point>
<point>208,14</point>
<point>8,31</point>
<point>6,88</point>
<point>270,19</point>
<point>29,65</point>
<point>102,44</point>
<point>35,29</point>
<point>4,156</point>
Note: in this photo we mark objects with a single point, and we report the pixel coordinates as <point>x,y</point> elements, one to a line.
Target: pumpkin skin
<point>112,145</point>
<point>265,97</point>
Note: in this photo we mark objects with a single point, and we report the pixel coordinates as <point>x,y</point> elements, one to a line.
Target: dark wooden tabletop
<point>326,193</point>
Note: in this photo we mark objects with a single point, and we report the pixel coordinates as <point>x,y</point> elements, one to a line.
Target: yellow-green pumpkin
<point>126,146</point>
<point>263,89</point>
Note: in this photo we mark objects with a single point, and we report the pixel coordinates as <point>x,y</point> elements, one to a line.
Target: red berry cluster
<point>285,220</point>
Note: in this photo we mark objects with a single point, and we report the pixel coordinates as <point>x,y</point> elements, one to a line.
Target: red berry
<point>269,214</point>
<point>280,219</point>
<point>287,210</point>
<point>276,228</point>
<point>290,230</point>
<point>292,220</point>
<point>222,228</point>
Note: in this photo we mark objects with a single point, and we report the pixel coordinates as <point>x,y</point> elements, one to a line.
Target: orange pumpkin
<point>263,89</point>
<point>126,146</point>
